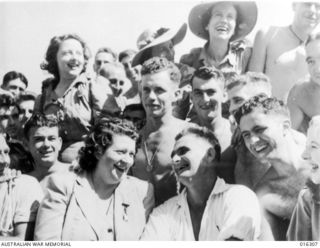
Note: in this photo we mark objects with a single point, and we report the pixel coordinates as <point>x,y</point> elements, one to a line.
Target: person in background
<point>99,201</point>
<point>14,82</point>
<point>133,72</point>
<point>20,196</point>
<point>25,105</point>
<point>103,56</point>
<point>279,51</point>
<point>303,99</point>
<point>224,25</point>
<point>70,94</point>
<point>161,43</point>
<point>122,88</point>
<point>304,224</point>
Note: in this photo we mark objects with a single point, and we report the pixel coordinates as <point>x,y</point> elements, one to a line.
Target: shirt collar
<point>219,187</point>
<point>230,57</point>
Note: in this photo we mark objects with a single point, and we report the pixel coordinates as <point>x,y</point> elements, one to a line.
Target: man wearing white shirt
<point>208,208</point>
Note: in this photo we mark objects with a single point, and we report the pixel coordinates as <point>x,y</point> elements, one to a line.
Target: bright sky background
<point>27,27</point>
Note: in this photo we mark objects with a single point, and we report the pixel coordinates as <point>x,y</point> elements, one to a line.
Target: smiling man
<point>44,143</point>
<point>160,89</point>
<point>208,208</point>
<point>208,94</point>
<point>266,130</point>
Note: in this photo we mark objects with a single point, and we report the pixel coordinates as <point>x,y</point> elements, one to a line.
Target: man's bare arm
<point>259,53</point>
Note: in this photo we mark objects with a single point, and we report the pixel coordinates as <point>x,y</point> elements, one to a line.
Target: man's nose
<point>306,154</point>
<point>176,159</point>
<point>206,97</point>
<point>253,139</point>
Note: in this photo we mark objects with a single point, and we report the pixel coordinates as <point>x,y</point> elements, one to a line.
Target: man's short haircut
<point>126,53</point>
<point>107,50</point>
<point>263,103</point>
<point>203,133</point>
<point>257,79</point>
<point>104,70</point>
<point>313,37</point>
<point>207,73</point>
<point>6,101</point>
<point>28,96</point>
<point>12,75</point>
<point>40,120</point>
<point>159,64</point>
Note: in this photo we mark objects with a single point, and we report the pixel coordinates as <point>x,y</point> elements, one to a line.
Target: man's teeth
<point>259,148</point>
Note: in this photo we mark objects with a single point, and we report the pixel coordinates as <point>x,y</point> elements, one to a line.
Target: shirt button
<point>109,230</point>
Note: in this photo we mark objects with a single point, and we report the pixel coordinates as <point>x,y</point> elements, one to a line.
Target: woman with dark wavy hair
<point>99,201</point>
<point>70,93</point>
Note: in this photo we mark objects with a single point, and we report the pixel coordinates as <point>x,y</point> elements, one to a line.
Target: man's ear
<point>211,154</point>
<point>60,143</point>
<point>178,94</point>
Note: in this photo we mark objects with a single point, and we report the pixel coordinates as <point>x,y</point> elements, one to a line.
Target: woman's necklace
<point>301,41</point>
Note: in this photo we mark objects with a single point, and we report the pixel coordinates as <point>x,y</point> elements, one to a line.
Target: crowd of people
<point>224,145</point>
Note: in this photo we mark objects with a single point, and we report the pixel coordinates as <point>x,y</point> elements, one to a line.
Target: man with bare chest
<point>279,51</point>
<point>159,89</point>
<point>303,100</point>
<point>265,128</point>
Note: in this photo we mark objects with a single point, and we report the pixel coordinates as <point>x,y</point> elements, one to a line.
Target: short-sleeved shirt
<point>231,211</point>
<point>236,59</point>
<point>24,197</point>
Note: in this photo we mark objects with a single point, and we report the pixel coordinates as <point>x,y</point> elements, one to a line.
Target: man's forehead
<point>161,78</point>
<point>199,83</point>
<point>44,131</point>
<point>189,140</point>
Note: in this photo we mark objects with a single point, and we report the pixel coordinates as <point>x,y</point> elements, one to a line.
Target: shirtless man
<point>265,128</point>
<point>160,87</point>
<point>248,170</point>
<point>44,144</point>
<point>303,100</point>
<point>208,94</point>
<point>279,51</point>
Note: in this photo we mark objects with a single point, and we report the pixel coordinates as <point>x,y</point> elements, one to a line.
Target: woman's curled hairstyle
<point>101,137</point>
<point>50,64</point>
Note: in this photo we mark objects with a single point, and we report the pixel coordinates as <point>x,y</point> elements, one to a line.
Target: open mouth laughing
<point>259,148</point>
<point>120,167</point>
<point>181,167</point>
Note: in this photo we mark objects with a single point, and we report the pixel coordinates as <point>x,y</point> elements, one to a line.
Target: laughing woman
<point>70,93</point>
<point>224,25</point>
<point>98,202</point>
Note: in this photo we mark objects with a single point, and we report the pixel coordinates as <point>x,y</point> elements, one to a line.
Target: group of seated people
<point>150,149</point>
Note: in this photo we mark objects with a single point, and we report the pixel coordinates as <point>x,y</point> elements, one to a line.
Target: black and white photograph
<point>180,120</point>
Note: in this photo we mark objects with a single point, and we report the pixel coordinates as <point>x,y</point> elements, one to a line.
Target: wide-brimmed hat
<point>151,38</point>
<point>247,13</point>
